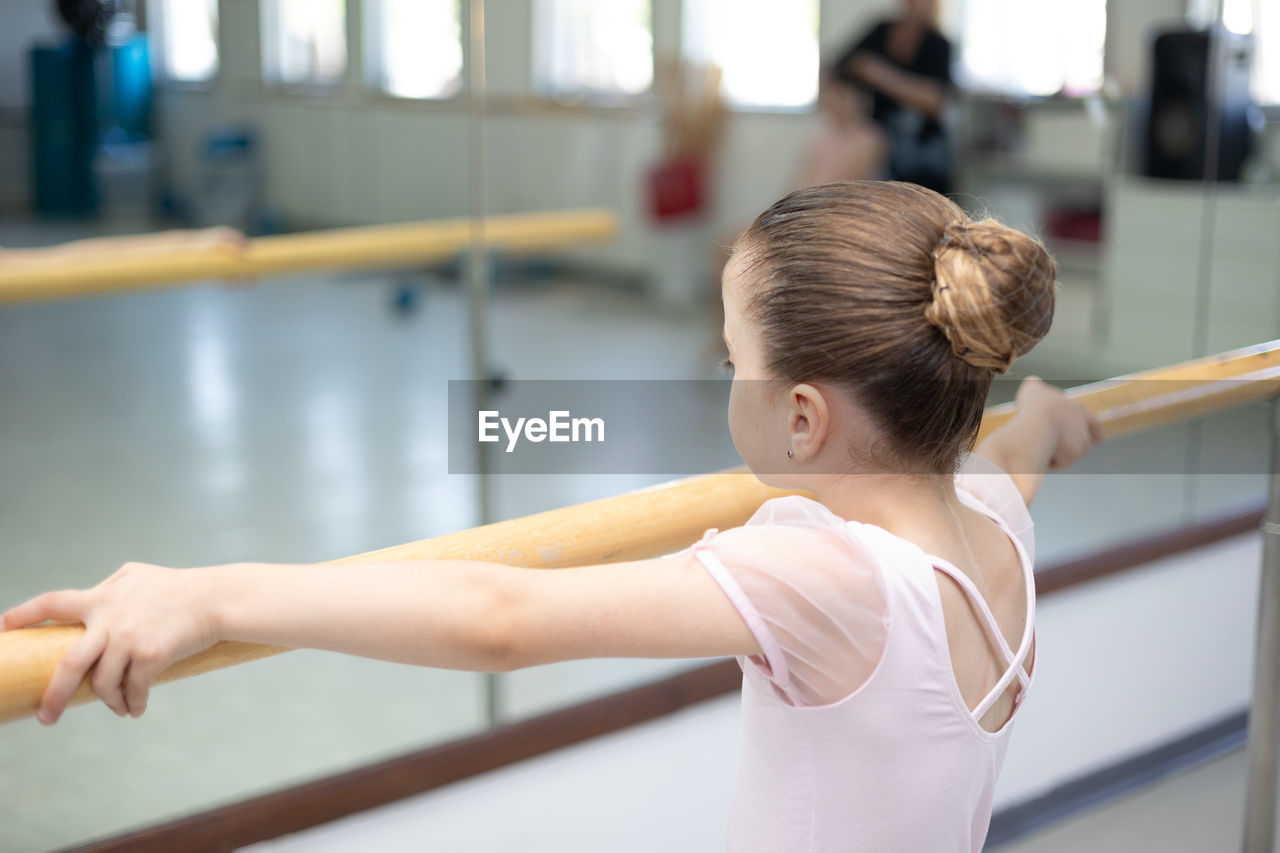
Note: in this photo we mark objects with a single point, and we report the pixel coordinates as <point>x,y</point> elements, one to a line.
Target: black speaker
<point>1182,108</point>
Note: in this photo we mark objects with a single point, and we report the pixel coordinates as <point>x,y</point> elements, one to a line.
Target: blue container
<point>64,129</point>
<point>131,87</point>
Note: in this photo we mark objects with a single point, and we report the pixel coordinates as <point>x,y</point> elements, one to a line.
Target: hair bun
<point>993,292</point>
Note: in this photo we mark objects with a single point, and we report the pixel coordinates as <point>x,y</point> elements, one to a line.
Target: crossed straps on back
<point>1014,661</point>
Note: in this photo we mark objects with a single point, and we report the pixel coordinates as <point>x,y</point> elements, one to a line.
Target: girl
<point>885,626</point>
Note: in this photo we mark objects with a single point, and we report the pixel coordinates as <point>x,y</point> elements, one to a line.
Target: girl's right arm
<point>1049,432</point>
<point>451,613</point>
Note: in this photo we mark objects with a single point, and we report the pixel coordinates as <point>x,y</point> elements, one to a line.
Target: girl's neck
<point>907,505</point>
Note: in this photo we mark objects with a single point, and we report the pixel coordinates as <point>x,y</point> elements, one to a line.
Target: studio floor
<point>303,419</point>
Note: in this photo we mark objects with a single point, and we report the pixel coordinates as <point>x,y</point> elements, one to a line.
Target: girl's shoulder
<point>800,532</point>
<point>797,532</point>
<point>810,586</point>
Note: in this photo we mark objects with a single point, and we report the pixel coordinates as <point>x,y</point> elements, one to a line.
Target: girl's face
<point>757,411</point>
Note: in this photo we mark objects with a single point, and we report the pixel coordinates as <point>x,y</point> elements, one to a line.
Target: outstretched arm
<point>451,614</point>
<point>1049,432</point>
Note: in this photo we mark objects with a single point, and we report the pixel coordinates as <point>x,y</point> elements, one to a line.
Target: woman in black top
<point>906,65</point>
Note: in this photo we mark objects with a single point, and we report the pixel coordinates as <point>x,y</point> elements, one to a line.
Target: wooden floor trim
<point>310,804</point>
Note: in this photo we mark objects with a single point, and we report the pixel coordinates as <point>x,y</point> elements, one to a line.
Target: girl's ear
<point>808,420</point>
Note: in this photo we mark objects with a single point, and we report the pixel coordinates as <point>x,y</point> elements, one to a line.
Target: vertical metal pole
<point>477,266</point>
<point>478,287</point>
<point>1260,799</point>
<point>1215,96</point>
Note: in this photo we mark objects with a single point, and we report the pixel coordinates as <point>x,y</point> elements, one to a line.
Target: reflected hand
<point>137,622</point>
<point>221,238</point>
<point>1076,428</point>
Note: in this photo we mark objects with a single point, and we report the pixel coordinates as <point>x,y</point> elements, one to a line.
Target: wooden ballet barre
<point>665,518</point>
<point>368,247</point>
<point>1164,396</point>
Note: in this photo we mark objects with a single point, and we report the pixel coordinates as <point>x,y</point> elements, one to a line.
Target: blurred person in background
<point>905,65</point>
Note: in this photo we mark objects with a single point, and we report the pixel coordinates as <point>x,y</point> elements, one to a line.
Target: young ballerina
<point>884,626</point>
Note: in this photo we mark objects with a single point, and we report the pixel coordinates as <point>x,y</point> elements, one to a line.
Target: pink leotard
<point>854,732</point>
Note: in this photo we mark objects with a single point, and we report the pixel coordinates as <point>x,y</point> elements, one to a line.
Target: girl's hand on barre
<point>137,622</point>
<point>1075,429</point>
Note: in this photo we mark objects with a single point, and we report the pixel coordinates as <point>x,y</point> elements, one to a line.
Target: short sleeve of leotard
<point>809,590</point>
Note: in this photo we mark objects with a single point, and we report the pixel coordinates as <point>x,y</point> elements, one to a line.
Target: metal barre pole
<point>1260,798</point>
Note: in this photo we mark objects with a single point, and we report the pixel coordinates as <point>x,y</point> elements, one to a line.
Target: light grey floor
<point>1199,811</point>
<point>302,420</point>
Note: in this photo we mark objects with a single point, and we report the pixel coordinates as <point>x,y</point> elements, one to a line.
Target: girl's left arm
<point>450,614</point>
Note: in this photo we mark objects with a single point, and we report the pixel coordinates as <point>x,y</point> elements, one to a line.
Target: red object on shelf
<point>677,188</point>
<point>1083,225</point>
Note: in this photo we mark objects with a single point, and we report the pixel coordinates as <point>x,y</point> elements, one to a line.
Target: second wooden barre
<point>367,247</point>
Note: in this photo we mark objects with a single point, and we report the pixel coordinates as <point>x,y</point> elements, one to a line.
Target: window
<point>189,39</point>
<point>592,48</point>
<point>304,42</point>
<point>1021,48</point>
<point>416,47</point>
<point>1238,17</point>
<point>1266,53</point>
<point>729,34</point>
